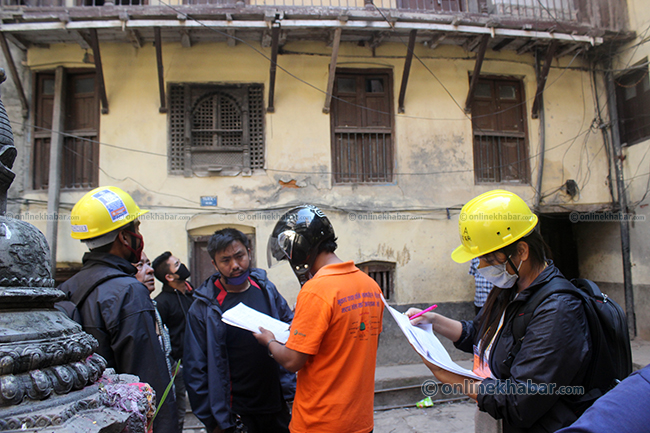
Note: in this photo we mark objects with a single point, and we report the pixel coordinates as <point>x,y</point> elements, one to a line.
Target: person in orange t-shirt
<point>335,330</point>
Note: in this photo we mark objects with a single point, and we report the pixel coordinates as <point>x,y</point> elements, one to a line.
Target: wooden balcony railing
<point>604,14</point>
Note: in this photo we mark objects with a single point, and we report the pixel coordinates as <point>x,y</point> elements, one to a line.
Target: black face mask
<point>182,272</point>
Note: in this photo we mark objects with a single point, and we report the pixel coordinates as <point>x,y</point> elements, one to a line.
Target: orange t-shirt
<point>337,321</point>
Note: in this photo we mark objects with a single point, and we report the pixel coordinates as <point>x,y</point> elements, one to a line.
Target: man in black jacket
<point>114,306</point>
<point>173,303</point>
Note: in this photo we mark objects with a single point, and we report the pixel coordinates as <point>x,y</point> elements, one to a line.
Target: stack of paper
<point>243,316</point>
<point>426,344</point>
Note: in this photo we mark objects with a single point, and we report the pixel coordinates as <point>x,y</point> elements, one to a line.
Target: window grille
<point>383,273</point>
<point>215,129</point>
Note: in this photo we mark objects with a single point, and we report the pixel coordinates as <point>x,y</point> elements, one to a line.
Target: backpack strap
<point>79,297</point>
<point>524,314</point>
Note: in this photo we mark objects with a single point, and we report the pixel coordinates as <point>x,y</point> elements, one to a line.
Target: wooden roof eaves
<point>215,12</point>
<point>25,28</point>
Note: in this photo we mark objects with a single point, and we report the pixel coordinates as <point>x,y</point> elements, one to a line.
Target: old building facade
<point>389,115</point>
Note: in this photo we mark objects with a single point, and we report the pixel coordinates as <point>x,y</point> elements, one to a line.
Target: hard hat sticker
<point>80,228</point>
<point>113,204</point>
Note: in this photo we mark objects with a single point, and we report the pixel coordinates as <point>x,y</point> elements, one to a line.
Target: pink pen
<point>423,311</point>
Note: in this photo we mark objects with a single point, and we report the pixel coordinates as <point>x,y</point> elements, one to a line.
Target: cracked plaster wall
<point>433,154</point>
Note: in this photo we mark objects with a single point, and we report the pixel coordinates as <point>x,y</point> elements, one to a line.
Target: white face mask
<point>499,275</point>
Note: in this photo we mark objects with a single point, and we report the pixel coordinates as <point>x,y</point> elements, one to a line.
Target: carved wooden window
<point>633,99</point>
<point>216,129</point>
<point>383,273</point>
<point>81,148</point>
<point>500,139</point>
<point>362,126</point>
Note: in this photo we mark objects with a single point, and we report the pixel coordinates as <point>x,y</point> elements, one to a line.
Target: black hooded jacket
<point>120,315</point>
<point>555,350</point>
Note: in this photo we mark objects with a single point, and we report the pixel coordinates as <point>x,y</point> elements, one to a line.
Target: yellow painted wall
<point>434,136</point>
<point>637,158</point>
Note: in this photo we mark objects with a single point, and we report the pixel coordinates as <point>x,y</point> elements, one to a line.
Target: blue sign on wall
<point>208,200</point>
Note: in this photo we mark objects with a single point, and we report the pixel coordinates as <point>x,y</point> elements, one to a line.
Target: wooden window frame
<point>390,160</point>
<point>634,112</point>
<point>40,175</point>
<point>184,154</point>
<point>524,159</point>
<point>386,281</point>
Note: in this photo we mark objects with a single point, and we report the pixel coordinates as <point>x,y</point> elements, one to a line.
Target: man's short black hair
<point>160,266</point>
<point>221,239</point>
<point>328,245</point>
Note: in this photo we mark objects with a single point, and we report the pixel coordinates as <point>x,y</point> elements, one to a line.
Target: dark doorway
<point>558,232</point>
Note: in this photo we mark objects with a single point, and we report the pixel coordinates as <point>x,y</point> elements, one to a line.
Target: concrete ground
<point>451,417</point>
<point>455,417</point>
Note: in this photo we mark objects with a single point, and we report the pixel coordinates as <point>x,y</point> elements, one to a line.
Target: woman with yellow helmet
<point>499,228</point>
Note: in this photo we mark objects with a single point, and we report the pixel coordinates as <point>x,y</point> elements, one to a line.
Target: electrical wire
<point>581,133</point>
<point>313,86</point>
<point>320,90</point>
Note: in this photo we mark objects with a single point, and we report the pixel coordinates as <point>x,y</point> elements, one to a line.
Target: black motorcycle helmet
<point>296,238</point>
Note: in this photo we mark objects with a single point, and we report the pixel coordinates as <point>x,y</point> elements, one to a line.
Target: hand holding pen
<point>413,313</point>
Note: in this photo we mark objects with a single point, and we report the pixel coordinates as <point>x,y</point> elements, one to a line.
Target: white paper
<point>243,316</point>
<point>426,344</point>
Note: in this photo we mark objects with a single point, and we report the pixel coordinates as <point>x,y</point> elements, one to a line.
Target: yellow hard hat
<point>490,222</point>
<point>101,211</point>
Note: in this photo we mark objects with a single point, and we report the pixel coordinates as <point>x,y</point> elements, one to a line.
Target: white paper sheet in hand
<point>243,316</point>
<point>427,344</point>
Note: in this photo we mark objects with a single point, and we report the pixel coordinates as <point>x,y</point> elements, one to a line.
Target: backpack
<point>72,305</point>
<point>611,357</point>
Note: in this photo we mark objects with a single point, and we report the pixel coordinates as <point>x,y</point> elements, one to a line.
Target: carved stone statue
<point>50,377</point>
<point>7,153</point>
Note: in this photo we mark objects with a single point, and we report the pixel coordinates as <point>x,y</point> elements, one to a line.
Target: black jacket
<point>173,307</point>
<point>555,350</point>
<point>120,315</point>
<point>206,370</point>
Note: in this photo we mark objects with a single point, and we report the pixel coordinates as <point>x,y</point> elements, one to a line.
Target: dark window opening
<point>383,273</point>
<point>633,100</point>
<point>559,234</point>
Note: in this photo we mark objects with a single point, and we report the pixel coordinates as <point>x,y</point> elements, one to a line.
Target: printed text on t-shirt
<point>358,300</point>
